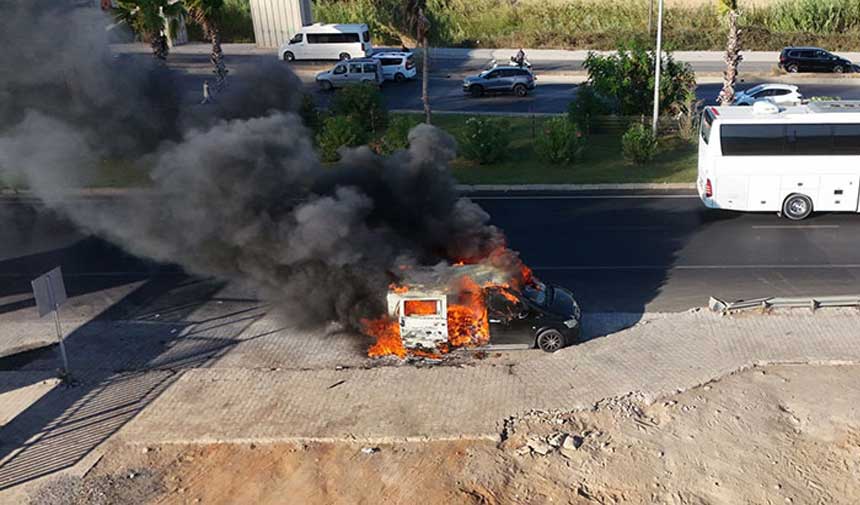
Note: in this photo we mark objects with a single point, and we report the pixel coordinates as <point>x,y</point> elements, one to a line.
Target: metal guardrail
<point>811,302</point>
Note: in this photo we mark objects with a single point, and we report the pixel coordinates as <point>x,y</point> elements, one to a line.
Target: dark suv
<point>812,59</point>
<point>514,80</point>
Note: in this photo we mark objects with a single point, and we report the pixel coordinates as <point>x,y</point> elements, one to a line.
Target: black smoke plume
<point>237,191</point>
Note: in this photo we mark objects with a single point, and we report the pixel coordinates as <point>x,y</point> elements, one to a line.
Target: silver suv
<point>516,80</point>
<point>351,72</point>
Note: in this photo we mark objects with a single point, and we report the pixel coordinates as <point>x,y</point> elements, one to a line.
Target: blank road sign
<point>49,290</point>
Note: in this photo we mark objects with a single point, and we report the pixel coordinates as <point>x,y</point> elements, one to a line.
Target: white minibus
<point>328,42</point>
<point>792,160</point>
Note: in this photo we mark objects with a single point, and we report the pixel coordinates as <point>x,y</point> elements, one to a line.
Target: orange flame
<point>387,333</point>
<point>420,307</point>
<point>467,319</point>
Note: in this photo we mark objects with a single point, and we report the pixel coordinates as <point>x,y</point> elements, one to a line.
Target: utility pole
<point>423,29</point>
<point>650,16</point>
<point>657,66</point>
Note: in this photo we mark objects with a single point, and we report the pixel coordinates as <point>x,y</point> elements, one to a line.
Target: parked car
<point>351,72</point>
<point>396,66</point>
<point>812,59</point>
<point>500,80</point>
<point>779,94</point>
<point>328,42</point>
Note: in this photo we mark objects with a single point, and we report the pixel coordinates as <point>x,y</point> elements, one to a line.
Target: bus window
<point>846,139</point>
<point>753,139</point>
<point>810,139</point>
<point>707,121</point>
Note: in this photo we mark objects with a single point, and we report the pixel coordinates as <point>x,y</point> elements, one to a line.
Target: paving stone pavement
<point>656,357</point>
<point>235,373</point>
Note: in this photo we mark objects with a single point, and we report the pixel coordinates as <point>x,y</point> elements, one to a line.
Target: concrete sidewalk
<point>242,377</point>
<point>660,355</point>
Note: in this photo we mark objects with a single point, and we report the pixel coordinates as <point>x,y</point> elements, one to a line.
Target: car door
<point>355,73</point>
<point>339,75</point>
<point>823,63</point>
<point>510,324</point>
<point>781,96</point>
<point>491,80</point>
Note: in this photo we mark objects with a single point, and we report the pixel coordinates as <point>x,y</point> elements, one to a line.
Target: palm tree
<point>207,14</point>
<point>417,21</point>
<point>147,18</point>
<point>729,8</point>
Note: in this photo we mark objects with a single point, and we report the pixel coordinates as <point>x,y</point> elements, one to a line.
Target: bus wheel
<point>343,56</point>
<point>797,207</point>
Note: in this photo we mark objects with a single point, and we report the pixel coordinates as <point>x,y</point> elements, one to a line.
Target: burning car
<point>432,311</point>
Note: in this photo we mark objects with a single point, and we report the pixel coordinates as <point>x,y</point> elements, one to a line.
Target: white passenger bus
<point>790,161</point>
<point>328,42</point>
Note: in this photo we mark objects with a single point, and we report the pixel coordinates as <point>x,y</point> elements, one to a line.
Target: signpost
<point>50,293</point>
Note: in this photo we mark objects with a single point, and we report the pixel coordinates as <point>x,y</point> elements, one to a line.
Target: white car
<point>328,42</point>
<point>779,94</point>
<point>396,65</point>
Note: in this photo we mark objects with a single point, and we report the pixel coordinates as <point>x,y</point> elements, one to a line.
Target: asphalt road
<point>627,252</point>
<point>551,96</point>
<point>553,93</point>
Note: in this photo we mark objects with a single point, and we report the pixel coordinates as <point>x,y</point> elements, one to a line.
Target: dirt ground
<point>767,435</point>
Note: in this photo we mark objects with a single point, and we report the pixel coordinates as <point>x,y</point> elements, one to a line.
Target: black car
<point>812,59</point>
<point>541,315</point>
<point>518,81</point>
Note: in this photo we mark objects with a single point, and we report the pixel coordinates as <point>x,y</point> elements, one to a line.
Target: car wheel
<point>797,207</point>
<point>288,56</point>
<point>838,69</point>
<point>792,69</point>
<point>476,91</point>
<point>398,77</point>
<point>520,90</point>
<point>550,340</point>
<point>344,56</point>
<point>326,85</point>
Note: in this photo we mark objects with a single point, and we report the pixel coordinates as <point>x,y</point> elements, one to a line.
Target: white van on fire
<point>328,42</point>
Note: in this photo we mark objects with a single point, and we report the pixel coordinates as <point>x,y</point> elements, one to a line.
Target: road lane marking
<point>796,227</point>
<point>701,267</point>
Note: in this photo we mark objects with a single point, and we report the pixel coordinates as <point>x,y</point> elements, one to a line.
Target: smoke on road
<point>238,192</point>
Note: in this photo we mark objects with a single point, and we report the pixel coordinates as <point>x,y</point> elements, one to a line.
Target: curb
<point>465,188</point>
<point>635,186</point>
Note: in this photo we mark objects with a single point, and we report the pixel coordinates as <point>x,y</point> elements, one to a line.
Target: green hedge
<point>603,24</point>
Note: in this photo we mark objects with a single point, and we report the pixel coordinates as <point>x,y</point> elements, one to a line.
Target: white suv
<point>779,94</point>
<point>396,66</point>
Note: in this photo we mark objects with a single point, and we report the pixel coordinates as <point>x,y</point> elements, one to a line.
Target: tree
<point>729,8</point>
<point>207,14</point>
<point>147,18</point>
<point>416,20</point>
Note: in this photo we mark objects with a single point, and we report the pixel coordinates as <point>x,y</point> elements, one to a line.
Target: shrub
<point>586,107</point>
<point>484,140</point>
<point>310,115</point>
<point>363,102</point>
<point>688,114</point>
<point>339,131</point>
<point>560,141</point>
<point>639,144</point>
<point>625,79</point>
<point>397,134</point>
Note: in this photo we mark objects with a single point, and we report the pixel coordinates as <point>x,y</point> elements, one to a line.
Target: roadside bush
<point>688,114</point>
<point>484,140</point>
<point>625,79</point>
<point>364,103</point>
<point>639,144</point>
<point>560,141</point>
<point>310,114</point>
<point>583,110</point>
<point>339,131</point>
<point>397,134</point>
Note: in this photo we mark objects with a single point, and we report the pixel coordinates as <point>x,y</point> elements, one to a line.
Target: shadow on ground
<point>121,361</point>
